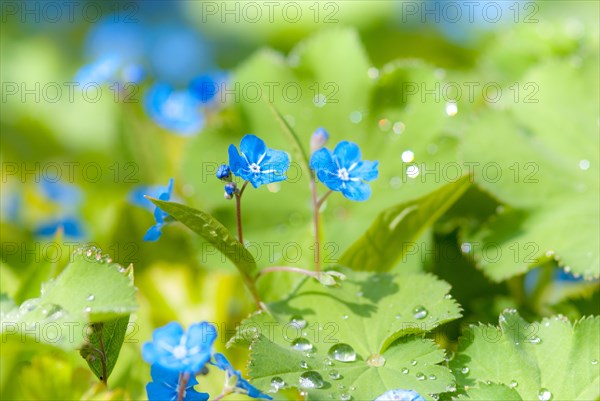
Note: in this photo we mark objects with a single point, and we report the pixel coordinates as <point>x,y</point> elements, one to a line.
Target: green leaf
<point>490,392</point>
<point>390,235</point>
<point>213,231</point>
<point>376,314</point>
<point>549,178</point>
<point>552,355</point>
<point>90,289</point>
<point>104,341</point>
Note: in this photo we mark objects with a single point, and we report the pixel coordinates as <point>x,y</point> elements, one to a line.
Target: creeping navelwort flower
<point>343,170</point>
<point>166,386</point>
<point>258,164</point>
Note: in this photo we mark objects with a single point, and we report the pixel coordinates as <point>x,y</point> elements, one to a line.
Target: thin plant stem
<point>317,233</point>
<point>323,198</point>
<point>290,269</point>
<point>248,280</point>
<point>238,212</point>
<point>183,380</point>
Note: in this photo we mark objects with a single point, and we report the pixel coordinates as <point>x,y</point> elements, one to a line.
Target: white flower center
<point>255,168</point>
<point>180,352</point>
<point>343,174</point>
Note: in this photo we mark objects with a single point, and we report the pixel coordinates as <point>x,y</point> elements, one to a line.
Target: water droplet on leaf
<point>544,395</point>
<point>420,312</point>
<point>420,376</point>
<point>342,352</point>
<point>334,375</point>
<point>302,344</point>
<point>311,379</point>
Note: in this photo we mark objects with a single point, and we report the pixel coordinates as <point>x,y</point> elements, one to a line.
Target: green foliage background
<point>481,234</point>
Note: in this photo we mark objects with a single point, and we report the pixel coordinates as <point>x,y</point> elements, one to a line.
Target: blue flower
<point>343,170</point>
<point>66,195</point>
<point>206,86</point>
<point>137,196</point>
<point>174,110</point>
<point>242,386</point>
<point>258,164</point>
<point>160,217</point>
<point>165,386</point>
<point>224,172</point>
<point>178,350</point>
<point>400,395</point>
<point>318,139</point>
<point>70,226</point>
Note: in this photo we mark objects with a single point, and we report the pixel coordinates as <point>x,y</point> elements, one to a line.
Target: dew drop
<point>450,388</point>
<point>447,296</point>
<point>376,360</point>
<point>544,395</point>
<point>513,384</point>
<point>352,388</point>
<point>91,297</point>
<point>594,362</point>
<point>311,379</point>
<point>405,371</point>
<point>398,316</point>
<point>303,365</point>
<point>302,344</point>
<point>412,171</point>
<point>420,376</point>
<point>277,384</point>
<point>334,375</point>
<point>420,312</point>
<point>29,306</point>
<point>328,362</point>
<point>384,124</point>
<point>345,397</point>
<point>298,322</point>
<point>87,309</point>
<point>356,117</point>
<point>451,109</point>
<point>465,370</point>
<point>535,340</point>
<point>408,156</point>
<point>341,387</point>
<point>413,362</point>
<point>320,100</point>
<point>342,352</point>
<point>398,127</point>
<point>432,377</point>
<point>345,317</point>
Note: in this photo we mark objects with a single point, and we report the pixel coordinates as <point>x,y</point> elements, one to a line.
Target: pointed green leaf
<point>397,228</point>
<point>213,231</point>
<point>104,341</point>
<point>90,289</point>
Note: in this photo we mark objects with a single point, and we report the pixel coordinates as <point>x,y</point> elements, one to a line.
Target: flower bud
<point>319,139</point>
<point>224,173</point>
<point>230,190</point>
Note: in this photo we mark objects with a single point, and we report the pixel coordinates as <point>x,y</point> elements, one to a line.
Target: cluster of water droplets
<point>93,253</point>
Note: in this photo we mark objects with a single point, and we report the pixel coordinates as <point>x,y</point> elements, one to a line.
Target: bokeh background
<point>103,102</point>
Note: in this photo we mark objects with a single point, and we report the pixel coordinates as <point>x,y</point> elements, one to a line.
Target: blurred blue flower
<point>71,227</point>
<point>400,395</point>
<point>224,172</point>
<point>117,49</point>
<point>258,164</point>
<point>206,86</point>
<point>175,110</point>
<point>318,139</point>
<point>343,170</point>
<point>178,53</point>
<point>178,350</point>
<point>241,385</point>
<point>66,195</point>
<point>160,217</point>
<point>165,386</point>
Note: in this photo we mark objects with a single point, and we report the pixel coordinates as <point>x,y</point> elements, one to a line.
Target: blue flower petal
<point>201,333</point>
<point>153,233</point>
<point>253,148</point>
<point>236,162</point>
<point>241,385</point>
<point>347,153</point>
<point>158,391</point>
<point>322,159</point>
<point>400,395</point>
<point>177,111</point>
<point>275,161</point>
<point>330,179</point>
<point>356,190</point>
<point>365,170</point>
